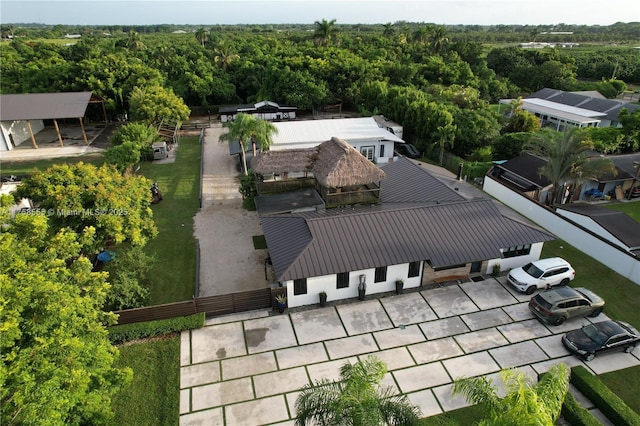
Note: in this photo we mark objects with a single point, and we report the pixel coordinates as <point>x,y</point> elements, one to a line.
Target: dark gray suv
<point>556,305</point>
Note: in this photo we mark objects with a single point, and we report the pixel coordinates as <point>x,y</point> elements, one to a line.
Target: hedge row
<point>140,330</point>
<point>614,408</point>
<point>576,414</point>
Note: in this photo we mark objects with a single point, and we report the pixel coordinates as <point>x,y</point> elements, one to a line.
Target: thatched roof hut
<point>337,164</point>
<point>285,161</point>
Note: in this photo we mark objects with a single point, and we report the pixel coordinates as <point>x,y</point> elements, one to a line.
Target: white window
<point>368,151</point>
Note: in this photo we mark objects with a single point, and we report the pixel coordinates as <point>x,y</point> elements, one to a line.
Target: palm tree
<point>245,128</point>
<point>134,42</point>
<point>446,135</point>
<point>202,36</point>
<point>224,55</point>
<point>355,399</point>
<point>324,31</point>
<point>567,160</point>
<point>524,402</point>
<point>438,39</point>
<point>388,31</point>
<point>420,35</point>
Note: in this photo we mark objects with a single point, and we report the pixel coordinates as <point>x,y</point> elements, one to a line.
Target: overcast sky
<point>210,12</point>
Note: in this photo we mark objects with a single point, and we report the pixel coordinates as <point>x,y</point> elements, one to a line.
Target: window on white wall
<point>368,151</point>
<point>342,280</point>
<point>300,286</point>
<point>380,275</point>
<point>516,251</point>
<point>381,150</point>
<point>414,269</point>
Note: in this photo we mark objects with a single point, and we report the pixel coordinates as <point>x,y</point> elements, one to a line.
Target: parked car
<point>605,336</point>
<point>407,150</point>
<point>556,305</point>
<point>543,273</point>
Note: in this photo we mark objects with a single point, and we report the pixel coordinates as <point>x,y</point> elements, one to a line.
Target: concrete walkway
<point>245,369</point>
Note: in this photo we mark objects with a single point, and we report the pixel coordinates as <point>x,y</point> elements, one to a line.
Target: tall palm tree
<point>525,403</point>
<point>388,31</point>
<point>438,39</point>
<point>202,36</point>
<point>324,32</point>
<point>445,137</point>
<point>246,128</point>
<point>567,160</point>
<point>356,399</point>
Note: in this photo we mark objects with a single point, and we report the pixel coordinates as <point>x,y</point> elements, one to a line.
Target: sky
<point>213,12</point>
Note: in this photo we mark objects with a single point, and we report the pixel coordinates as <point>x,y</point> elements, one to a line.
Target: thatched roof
<point>288,160</point>
<point>334,163</point>
<point>338,164</point>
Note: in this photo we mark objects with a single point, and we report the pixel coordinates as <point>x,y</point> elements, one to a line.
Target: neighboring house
<point>22,115</point>
<point>372,141</point>
<point>265,110</point>
<point>522,174</point>
<point>389,125</point>
<point>617,227</point>
<point>426,227</point>
<point>559,109</point>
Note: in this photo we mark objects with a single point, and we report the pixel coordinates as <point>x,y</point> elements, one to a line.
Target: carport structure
<point>19,111</point>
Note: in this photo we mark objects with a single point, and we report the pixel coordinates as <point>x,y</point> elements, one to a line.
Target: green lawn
<point>173,277</point>
<point>153,396</point>
<point>27,168</point>
<point>631,208</point>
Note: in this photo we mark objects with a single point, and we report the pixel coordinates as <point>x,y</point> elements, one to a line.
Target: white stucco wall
<point>327,283</point>
<point>591,225</point>
<point>589,243</point>
<point>515,262</point>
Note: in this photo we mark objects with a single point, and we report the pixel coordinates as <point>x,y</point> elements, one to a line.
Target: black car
<point>407,150</point>
<point>605,336</point>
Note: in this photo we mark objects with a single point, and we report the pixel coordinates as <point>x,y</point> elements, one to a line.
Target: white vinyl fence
<point>597,247</point>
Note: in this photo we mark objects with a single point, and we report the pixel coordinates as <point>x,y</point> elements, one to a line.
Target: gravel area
<point>228,261</point>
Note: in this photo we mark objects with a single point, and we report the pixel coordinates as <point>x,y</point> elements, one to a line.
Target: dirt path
<point>228,261</point>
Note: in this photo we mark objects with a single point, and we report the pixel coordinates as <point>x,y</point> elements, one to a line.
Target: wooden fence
<point>211,305</point>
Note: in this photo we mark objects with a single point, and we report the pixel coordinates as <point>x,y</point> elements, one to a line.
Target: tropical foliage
<point>356,399</point>
<point>57,364</point>
<point>246,129</point>
<point>568,162</point>
<point>524,403</point>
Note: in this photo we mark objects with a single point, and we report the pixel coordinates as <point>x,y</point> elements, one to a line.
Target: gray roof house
<point>265,110</point>
<point>579,109</point>
<point>426,228</point>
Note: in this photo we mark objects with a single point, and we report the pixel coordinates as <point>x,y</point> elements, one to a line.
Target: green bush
<point>576,414</point>
<point>602,397</point>
<point>140,330</point>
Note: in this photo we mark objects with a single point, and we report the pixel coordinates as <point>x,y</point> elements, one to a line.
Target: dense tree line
<point>433,79</point>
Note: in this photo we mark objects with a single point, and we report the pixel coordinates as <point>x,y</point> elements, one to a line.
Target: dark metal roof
<point>264,106</point>
<point>306,245</point>
<point>527,166</point>
<point>43,106</point>
<point>618,224</point>
<point>406,182</point>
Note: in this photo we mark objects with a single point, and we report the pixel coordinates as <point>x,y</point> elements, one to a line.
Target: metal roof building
<point>439,226</point>
<point>22,115</point>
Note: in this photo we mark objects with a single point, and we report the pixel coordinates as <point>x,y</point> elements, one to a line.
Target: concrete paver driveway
<point>246,369</point>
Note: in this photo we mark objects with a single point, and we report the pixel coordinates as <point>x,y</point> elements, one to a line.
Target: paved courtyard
<point>245,369</point>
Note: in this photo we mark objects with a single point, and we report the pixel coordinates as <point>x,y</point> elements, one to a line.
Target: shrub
<point>140,330</point>
<point>576,414</point>
<point>602,397</point>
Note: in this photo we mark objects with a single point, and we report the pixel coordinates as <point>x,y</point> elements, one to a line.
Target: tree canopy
<point>79,196</point>
<point>57,365</point>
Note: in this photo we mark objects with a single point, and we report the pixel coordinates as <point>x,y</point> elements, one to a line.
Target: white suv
<point>543,273</point>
